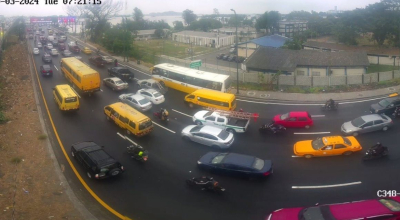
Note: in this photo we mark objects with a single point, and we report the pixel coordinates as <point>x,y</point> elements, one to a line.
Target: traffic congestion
<point>110,116</point>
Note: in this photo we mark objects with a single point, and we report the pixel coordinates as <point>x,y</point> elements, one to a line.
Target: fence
<point>261,78</point>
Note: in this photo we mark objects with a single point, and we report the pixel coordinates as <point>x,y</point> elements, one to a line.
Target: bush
<point>16,160</point>
<point>3,118</point>
<point>42,137</point>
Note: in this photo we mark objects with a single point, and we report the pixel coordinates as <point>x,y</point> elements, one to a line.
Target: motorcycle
<point>327,107</point>
<point>134,150</point>
<point>272,128</point>
<point>214,187</point>
<point>371,153</point>
<point>396,112</point>
<point>160,116</point>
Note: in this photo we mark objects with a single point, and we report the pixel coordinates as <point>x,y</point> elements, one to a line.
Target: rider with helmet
<point>330,104</point>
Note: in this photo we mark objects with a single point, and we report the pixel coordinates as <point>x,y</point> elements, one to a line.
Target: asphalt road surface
<point>156,190</point>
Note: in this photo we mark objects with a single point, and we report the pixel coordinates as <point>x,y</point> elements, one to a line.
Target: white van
<point>50,38</point>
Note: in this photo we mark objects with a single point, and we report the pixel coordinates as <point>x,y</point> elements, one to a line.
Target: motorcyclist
<point>163,114</point>
<point>273,127</point>
<point>396,112</point>
<point>330,104</point>
<point>377,149</point>
<point>137,151</point>
<point>206,182</point>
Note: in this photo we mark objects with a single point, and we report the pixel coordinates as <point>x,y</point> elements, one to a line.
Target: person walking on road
<point>115,62</point>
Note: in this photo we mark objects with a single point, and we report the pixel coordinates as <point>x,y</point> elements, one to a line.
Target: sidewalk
<point>283,96</point>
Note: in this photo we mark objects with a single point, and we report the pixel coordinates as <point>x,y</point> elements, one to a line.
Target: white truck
<point>233,122</point>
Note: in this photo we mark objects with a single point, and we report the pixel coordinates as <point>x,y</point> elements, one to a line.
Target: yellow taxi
<point>87,50</point>
<point>327,146</point>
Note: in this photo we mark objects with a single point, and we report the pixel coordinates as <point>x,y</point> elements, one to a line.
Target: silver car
<point>153,84</point>
<point>36,51</point>
<point>115,83</point>
<point>367,123</point>
<point>208,135</point>
<point>138,102</point>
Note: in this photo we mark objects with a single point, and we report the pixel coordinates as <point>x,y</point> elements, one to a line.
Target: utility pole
<point>237,55</point>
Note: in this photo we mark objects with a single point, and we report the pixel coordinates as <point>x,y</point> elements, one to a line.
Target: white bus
<point>189,80</point>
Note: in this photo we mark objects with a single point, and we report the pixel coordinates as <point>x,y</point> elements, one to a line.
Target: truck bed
<point>237,122</point>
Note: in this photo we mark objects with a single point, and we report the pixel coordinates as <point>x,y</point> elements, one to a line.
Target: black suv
<point>386,106</point>
<point>97,162</point>
<point>47,58</point>
<point>122,73</point>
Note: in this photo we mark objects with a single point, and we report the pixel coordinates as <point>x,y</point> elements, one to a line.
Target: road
<point>157,190</point>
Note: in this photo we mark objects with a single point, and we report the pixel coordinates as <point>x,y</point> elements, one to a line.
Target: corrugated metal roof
<point>271,41</point>
<point>201,34</point>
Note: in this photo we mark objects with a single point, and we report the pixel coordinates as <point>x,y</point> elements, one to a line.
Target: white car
<point>107,59</point>
<point>139,102</point>
<point>49,46</point>
<point>153,95</point>
<point>208,135</point>
<point>39,45</point>
<point>36,51</point>
<point>54,52</point>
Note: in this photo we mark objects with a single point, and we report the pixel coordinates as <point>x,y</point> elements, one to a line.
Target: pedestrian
<point>76,42</point>
<point>115,62</point>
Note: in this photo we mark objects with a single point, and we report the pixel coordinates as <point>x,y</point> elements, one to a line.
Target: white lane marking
<point>326,186</point>
<point>276,103</point>
<point>75,92</point>
<point>296,156</point>
<point>317,116</point>
<point>164,128</point>
<point>101,90</point>
<point>134,69</point>
<point>126,138</point>
<point>322,132</point>
<point>55,67</point>
<point>181,113</point>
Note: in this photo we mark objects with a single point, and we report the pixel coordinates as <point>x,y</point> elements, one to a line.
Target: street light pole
<point>237,55</point>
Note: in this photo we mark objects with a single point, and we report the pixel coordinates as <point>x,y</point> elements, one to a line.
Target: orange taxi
<point>327,146</point>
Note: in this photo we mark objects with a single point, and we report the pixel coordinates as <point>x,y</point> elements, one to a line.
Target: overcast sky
<point>198,6</point>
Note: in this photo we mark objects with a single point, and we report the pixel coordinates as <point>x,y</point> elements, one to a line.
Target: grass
<point>153,47</point>
<point>374,68</point>
<point>42,137</point>
<point>16,160</point>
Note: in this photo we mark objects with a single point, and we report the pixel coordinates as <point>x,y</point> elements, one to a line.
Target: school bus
<point>129,119</point>
<point>66,98</point>
<point>83,78</point>
<point>211,98</point>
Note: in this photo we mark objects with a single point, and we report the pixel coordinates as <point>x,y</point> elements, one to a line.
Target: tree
<point>216,12</point>
<point>299,15</point>
<point>248,22</point>
<point>273,18</point>
<point>159,33</point>
<point>188,16</point>
<point>295,44</point>
<point>137,15</point>
<point>205,24</point>
<point>262,22</point>
<point>178,25</point>
<point>232,20</point>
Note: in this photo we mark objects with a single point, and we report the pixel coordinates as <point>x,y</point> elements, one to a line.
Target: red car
<point>382,208</point>
<point>294,119</point>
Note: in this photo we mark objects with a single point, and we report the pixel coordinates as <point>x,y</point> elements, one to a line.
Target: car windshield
<point>196,128</point>
<point>46,67</point>
<point>70,99</point>
<point>145,125</point>
<point>346,141</point>
<point>390,204</point>
<point>384,103</point>
<point>119,82</point>
<point>311,214</point>
<point>223,135</point>
<point>208,114</point>
<point>258,164</point>
<point>218,158</point>
<point>317,144</point>
<point>124,71</point>
<point>284,116</point>
<point>357,122</point>
<point>143,101</point>
<point>156,94</point>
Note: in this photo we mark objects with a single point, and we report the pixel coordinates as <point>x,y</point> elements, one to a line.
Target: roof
<point>214,93</point>
<point>201,34</point>
<point>66,90</point>
<point>271,41</point>
<point>239,159</point>
<point>80,67</point>
<point>338,47</point>
<point>333,140</point>
<point>147,32</point>
<point>360,209</point>
<point>267,58</point>
<point>298,114</point>
<point>372,117</point>
<point>211,130</point>
<point>233,29</point>
<point>127,110</point>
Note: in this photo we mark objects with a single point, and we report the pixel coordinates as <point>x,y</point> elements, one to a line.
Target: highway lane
<point>156,190</point>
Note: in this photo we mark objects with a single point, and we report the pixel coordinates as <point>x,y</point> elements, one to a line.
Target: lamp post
<point>237,55</point>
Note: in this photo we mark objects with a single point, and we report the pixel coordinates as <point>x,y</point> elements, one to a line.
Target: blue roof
<point>271,41</point>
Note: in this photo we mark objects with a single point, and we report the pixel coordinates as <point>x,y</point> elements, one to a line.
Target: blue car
<point>236,164</point>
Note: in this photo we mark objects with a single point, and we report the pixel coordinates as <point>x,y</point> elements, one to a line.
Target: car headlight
<point>198,162</point>
<point>376,110</point>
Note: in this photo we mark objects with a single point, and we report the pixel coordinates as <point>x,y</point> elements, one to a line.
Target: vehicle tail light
<point>97,176</point>
<point>144,158</point>
<point>43,71</point>
<point>266,173</point>
<point>51,71</point>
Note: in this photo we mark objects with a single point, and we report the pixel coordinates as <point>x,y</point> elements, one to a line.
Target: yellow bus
<point>66,98</point>
<point>210,98</point>
<point>83,78</point>
<point>189,80</point>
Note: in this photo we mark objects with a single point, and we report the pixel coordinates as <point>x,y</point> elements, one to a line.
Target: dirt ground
<point>29,186</point>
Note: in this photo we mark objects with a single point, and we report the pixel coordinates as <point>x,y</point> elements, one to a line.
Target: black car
<point>231,58</point>
<point>225,57</point>
<point>46,70</point>
<point>47,58</point>
<point>236,164</point>
<point>386,106</point>
<point>55,43</point>
<point>98,163</point>
<point>219,56</point>
<point>239,59</point>
<point>122,73</point>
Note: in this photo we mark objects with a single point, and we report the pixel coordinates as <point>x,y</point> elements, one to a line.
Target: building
<point>207,39</point>
<point>244,33</point>
<point>274,41</point>
<point>290,28</point>
<point>147,34</point>
<point>307,62</point>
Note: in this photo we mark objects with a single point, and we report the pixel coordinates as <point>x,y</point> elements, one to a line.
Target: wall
<point>355,71</point>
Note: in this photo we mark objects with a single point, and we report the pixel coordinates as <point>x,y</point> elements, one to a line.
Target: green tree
<point>178,25</point>
<point>299,15</point>
<point>188,16</point>
<point>248,22</point>
<point>137,15</point>
<point>159,33</point>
